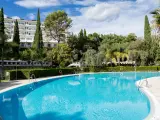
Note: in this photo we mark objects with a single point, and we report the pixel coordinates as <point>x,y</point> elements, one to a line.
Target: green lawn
<point>4,80</point>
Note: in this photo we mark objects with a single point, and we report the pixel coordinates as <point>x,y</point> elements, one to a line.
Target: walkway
<point>155,87</point>
<point>4,85</point>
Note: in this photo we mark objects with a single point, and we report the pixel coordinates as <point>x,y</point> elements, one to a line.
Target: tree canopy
<point>56,25</point>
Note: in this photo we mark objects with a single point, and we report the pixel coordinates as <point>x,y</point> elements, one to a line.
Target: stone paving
<point>154,87</point>
<point>4,85</point>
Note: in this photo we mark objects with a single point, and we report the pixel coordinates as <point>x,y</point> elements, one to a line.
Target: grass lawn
<point>4,80</point>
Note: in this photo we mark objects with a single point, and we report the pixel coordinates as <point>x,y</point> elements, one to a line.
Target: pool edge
<point>154,104</point>
<point>37,80</point>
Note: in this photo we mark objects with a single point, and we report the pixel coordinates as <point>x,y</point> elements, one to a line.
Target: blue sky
<point>102,16</point>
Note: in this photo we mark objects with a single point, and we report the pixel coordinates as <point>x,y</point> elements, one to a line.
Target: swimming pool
<point>99,96</point>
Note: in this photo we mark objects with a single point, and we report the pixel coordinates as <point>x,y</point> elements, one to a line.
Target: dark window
<point>22,44</point>
<point>49,45</point>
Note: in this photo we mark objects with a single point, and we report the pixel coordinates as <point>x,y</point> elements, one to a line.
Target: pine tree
<point>16,40</point>
<point>147,30</point>
<point>38,40</point>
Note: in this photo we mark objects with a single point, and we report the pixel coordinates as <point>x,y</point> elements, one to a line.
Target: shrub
<point>122,68</point>
<point>26,73</point>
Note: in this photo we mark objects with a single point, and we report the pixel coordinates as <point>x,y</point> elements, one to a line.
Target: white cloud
<point>37,3</point>
<point>15,17</point>
<point>81,2</point>
<point>102,18</point>
<point>49,3</point>
<point>31,16</point>
<point>101,12</point>
<point>120,17</point>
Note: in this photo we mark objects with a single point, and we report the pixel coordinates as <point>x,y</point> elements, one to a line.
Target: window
<point>29,44</point>
<point>49,45</point>
<point>22,44</point>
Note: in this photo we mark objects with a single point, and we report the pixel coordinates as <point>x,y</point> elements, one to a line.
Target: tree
<point>135,45</point>
<point>2,27</point>
<point>2,38</point>
<point>61,55</point>
<point>157,60</point>
<point>16,40</point>
<point>144,58</point>
<point>26,54</point>
<point>90,59</point>
<point>57,24</point>
<point>131,37</point>
<point>100,58</point>
<point>156,21</point>
<point>147,31</point>
<point>78,44</point>
<point>38,39</point>
<point>82,39</point>
<point>94,41</point>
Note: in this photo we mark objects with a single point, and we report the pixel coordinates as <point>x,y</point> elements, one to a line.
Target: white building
<point>27,30</point>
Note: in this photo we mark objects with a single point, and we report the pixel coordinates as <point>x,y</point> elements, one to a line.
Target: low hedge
<point>26,73</point>
<point>121,69</point>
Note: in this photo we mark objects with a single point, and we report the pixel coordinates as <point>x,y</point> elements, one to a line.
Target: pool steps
<point>141,83</point>
<point>32,80</point>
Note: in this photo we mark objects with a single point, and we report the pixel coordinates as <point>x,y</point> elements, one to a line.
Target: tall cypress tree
<point>38,39</point>
<point>2,39</point>
<point>2,28</point>
<point>85,33</point>
<point>147,30</point>
<point>16,39</point>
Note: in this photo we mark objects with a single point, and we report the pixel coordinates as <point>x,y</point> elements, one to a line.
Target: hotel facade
<point>27,30</point>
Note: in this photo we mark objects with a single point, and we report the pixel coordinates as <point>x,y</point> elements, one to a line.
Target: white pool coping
<point>34,80</point>
<point>154,104</point>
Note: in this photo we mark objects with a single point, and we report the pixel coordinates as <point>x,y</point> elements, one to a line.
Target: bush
<point>122,68</point>
<point>26,73</point>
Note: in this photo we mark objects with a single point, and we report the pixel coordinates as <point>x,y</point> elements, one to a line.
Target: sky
<point>101,16</point>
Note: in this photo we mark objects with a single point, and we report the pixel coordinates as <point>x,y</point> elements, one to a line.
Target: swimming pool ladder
<point>33,78</point>
<point>141,83</point>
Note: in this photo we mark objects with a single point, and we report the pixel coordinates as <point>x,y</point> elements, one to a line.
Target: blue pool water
<point>102,96</point>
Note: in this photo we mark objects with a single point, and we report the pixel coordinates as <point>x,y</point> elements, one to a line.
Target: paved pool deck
<point>4,85</point>
<point>154,87</point>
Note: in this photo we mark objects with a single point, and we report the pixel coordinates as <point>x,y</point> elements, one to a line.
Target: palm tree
<point>116,56</point>
<point>156,21</point>
<point>110,56</point>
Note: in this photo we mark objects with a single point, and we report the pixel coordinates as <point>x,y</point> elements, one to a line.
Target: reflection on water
<point>108,96</point>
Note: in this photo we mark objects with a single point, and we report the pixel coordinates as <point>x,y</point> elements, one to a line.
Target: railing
<point>141,83</point>
<point>33,78</point>
<point>10,63</point>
